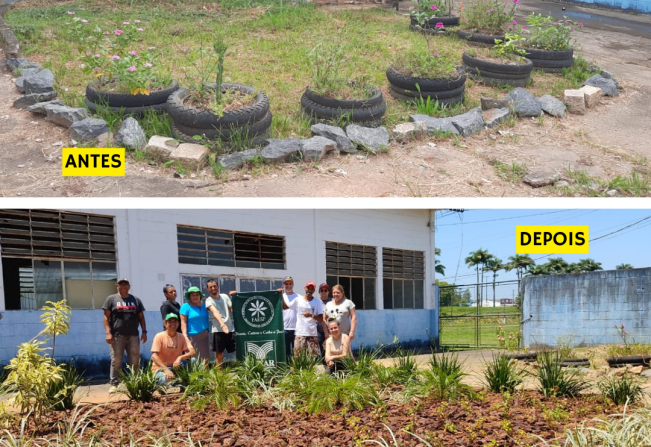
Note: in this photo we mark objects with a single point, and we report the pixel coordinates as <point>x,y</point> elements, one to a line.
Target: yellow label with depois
<point>551,239</point>
<point>92,162</point>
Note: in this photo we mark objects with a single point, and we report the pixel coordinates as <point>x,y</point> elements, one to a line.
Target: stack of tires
<point>250,123</point>
<point>430,26</point>
<point>478,38</point>
<point>492,73</point>
<point>550,61</point>
<point>446,91</point>
<point>365,112</point>
<point>125,103</point>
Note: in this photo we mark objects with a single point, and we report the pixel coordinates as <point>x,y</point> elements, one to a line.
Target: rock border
<point>10,43</point>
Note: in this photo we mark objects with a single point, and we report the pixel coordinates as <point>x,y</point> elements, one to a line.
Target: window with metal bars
<point>205,246</point>
<point>403,275</point>
<point>355,268</point>
<point>55,255</point>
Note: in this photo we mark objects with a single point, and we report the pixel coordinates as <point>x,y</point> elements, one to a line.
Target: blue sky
<point>457,234</point>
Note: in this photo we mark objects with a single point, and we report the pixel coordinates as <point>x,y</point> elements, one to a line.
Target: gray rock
<point>88,129</point>
<point>608,86</point>
<point>406,131</point>
<point>552,106</point>
<point>131,135</point>
<point>607,74</point>
<point>541,178</point>
<point>316,147</point>
<point>19,64</point>
<point>41,82</point>
<point>29,100</point>
<point>524,104</point>
<point>373,139</point>
<point>41,107</point>
<point>435,125</point>
<point>469,123</point>
<point>279,150</point>
<point>237,159</point>
<point>493,117</point>
<point>335,134</point>
<point>20,81</point>
<point>492,103</point>
<point>64,115</point>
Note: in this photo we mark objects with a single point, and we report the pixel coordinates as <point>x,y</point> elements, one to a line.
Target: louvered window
<point>403,273</point>
<point>355,268</point>
<point>204,246</point>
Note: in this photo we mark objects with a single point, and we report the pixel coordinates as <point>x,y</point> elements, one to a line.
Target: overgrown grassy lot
<point>269,48</point>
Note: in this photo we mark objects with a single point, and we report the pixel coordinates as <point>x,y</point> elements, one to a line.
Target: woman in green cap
<point>194,322</point>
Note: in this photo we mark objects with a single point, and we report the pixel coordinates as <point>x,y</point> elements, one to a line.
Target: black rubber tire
<point>475,72</point>
<point>176,133</point>
<point>442,102</point>
<point>329,113</point>
<point>493,67</point>
<point>125,110</point>
<point>224,134</point>
<point>533,53</point>
<point>425,84</point>
<point>549,70</point>
<point>499,81</point>
<point>123,100</point>
<point>544,63</point>
<point>629,360</point>
<point>345,103</point>
<point>431,31</point>
<point>477,37</point>
<point>524,356</point>
<point>440,95</point>
<point>446,21</point>
<point>574,364</point>
<point>575,360</point>
<point>204,119</point>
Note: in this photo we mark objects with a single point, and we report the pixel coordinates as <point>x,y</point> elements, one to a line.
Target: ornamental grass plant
<point>140,384</point>
<point>502,374</point>
<point>554,380</point>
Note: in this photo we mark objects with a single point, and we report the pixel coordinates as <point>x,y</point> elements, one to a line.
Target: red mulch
<point>443,424</point>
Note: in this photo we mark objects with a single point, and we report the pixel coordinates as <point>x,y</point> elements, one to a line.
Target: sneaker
<point>113,389</point>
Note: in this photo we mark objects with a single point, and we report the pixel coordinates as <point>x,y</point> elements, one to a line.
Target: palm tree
<point>557,266</point>
<point>589,265</point>
<point>624,267</point>
<point>438,267</point>
<point>475,259</point>
<point>520,263</point>
<point>494,265</point>
<point>538,270</point>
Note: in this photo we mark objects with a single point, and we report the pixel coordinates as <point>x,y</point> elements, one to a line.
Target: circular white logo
<point>258,311</point>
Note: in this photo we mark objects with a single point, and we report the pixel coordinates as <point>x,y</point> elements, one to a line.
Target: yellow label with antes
<point>92,162</point>
<point>551,239</point>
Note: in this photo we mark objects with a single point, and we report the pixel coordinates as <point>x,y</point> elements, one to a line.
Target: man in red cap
<point>309,314</point>
<point>322,329</point>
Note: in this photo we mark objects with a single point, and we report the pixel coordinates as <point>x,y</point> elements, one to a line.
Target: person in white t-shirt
<point>289,314</point>
<point>309,314</point>
<point>220,309</point>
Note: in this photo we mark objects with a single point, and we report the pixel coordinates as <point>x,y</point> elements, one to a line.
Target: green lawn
<point>463,330</point>
<point>269,47</point>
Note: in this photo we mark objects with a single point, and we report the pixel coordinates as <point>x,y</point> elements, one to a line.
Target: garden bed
<point>522,419</point>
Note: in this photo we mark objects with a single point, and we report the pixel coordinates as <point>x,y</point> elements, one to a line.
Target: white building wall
<point>148,256</point>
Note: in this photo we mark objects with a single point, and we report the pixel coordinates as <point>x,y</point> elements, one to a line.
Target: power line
<point>508,218</point>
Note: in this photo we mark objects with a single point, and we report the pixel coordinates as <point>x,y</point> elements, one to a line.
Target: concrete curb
<point>10,43</point>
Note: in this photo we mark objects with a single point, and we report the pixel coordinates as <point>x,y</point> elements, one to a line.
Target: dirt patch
<point>508,421</point>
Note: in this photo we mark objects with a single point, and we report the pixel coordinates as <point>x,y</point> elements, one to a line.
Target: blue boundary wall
<point>643,6</point>
<point>583,309</point>
<point>86,344</point>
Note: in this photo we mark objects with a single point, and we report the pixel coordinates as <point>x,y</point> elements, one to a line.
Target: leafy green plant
<point>431,9</point>
<point>513,173</point>
<point>511,342</point>
<point>62,392</point>
<point>502,374</point>
<point>253,369</point>
<point>190,369</point>
<point>405,367</point>
<point>328,392</point>
<point>554,380</point>
<point>140,384</point>
<point>508,47</point>
<point>624,389</point>
<point>438,384</point>
<point>489,16</point>
<point>217,387</point>
<point>447,362</point>
<point>304,361</point>
<point>547,33</point>
<point>56,318</point>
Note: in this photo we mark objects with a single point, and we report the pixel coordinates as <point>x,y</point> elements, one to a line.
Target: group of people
<point>321,326</point>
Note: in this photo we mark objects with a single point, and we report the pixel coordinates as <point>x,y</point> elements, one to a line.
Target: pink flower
<point>115,57</point>
<point>411,7</point>
<point>95,69</point>
<point>436,54</point>
<point>626,332</point>
<point>126,23</point>
<point>107,33</point>
<point>132,68</point>
<point>118,32</point>
<point>515,22</point>
<point>622,324</point>
<point>72,13</point>
<point>510,27</point>
<point>439,25</point>
<point>96,55</point>
<point>84,21</point>
<point>434,7</point>
<point>621,346</point>
<point>580,24</point>
<point>524,27</point>
<point>136,21</point>
<point>147,64</point>
<point>139,29</point>
<point>490,10</point>
<point>133,53</point>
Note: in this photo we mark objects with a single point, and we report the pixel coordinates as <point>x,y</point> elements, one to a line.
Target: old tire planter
<point>427,30</point>
<point>117,101</point>
<point>493,73</point>
<point>575,363</point>
<point>252,130</point>
<point>550,61</point>
<point>635,360</point>
<point>524,356</point>
<point>446,21</point>
<point>446,91</point>
<point>189,138</point>
<point>124,110</point>
<point>478,38</point>
<point>320,108</point>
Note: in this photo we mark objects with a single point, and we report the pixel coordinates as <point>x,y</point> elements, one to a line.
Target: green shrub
<point>217,386</point>
<point>502,374</point>
<point>62,392</point>
<point>405,368</point>
<point>624,389</point>
<point>184,373</point>
<point>253,369</point>
<point>140,384</point>
<point>447,362</point>
<point>438,384</point>
<point>304,361</point>
<point>348,392</point>
<point>554,380</point>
